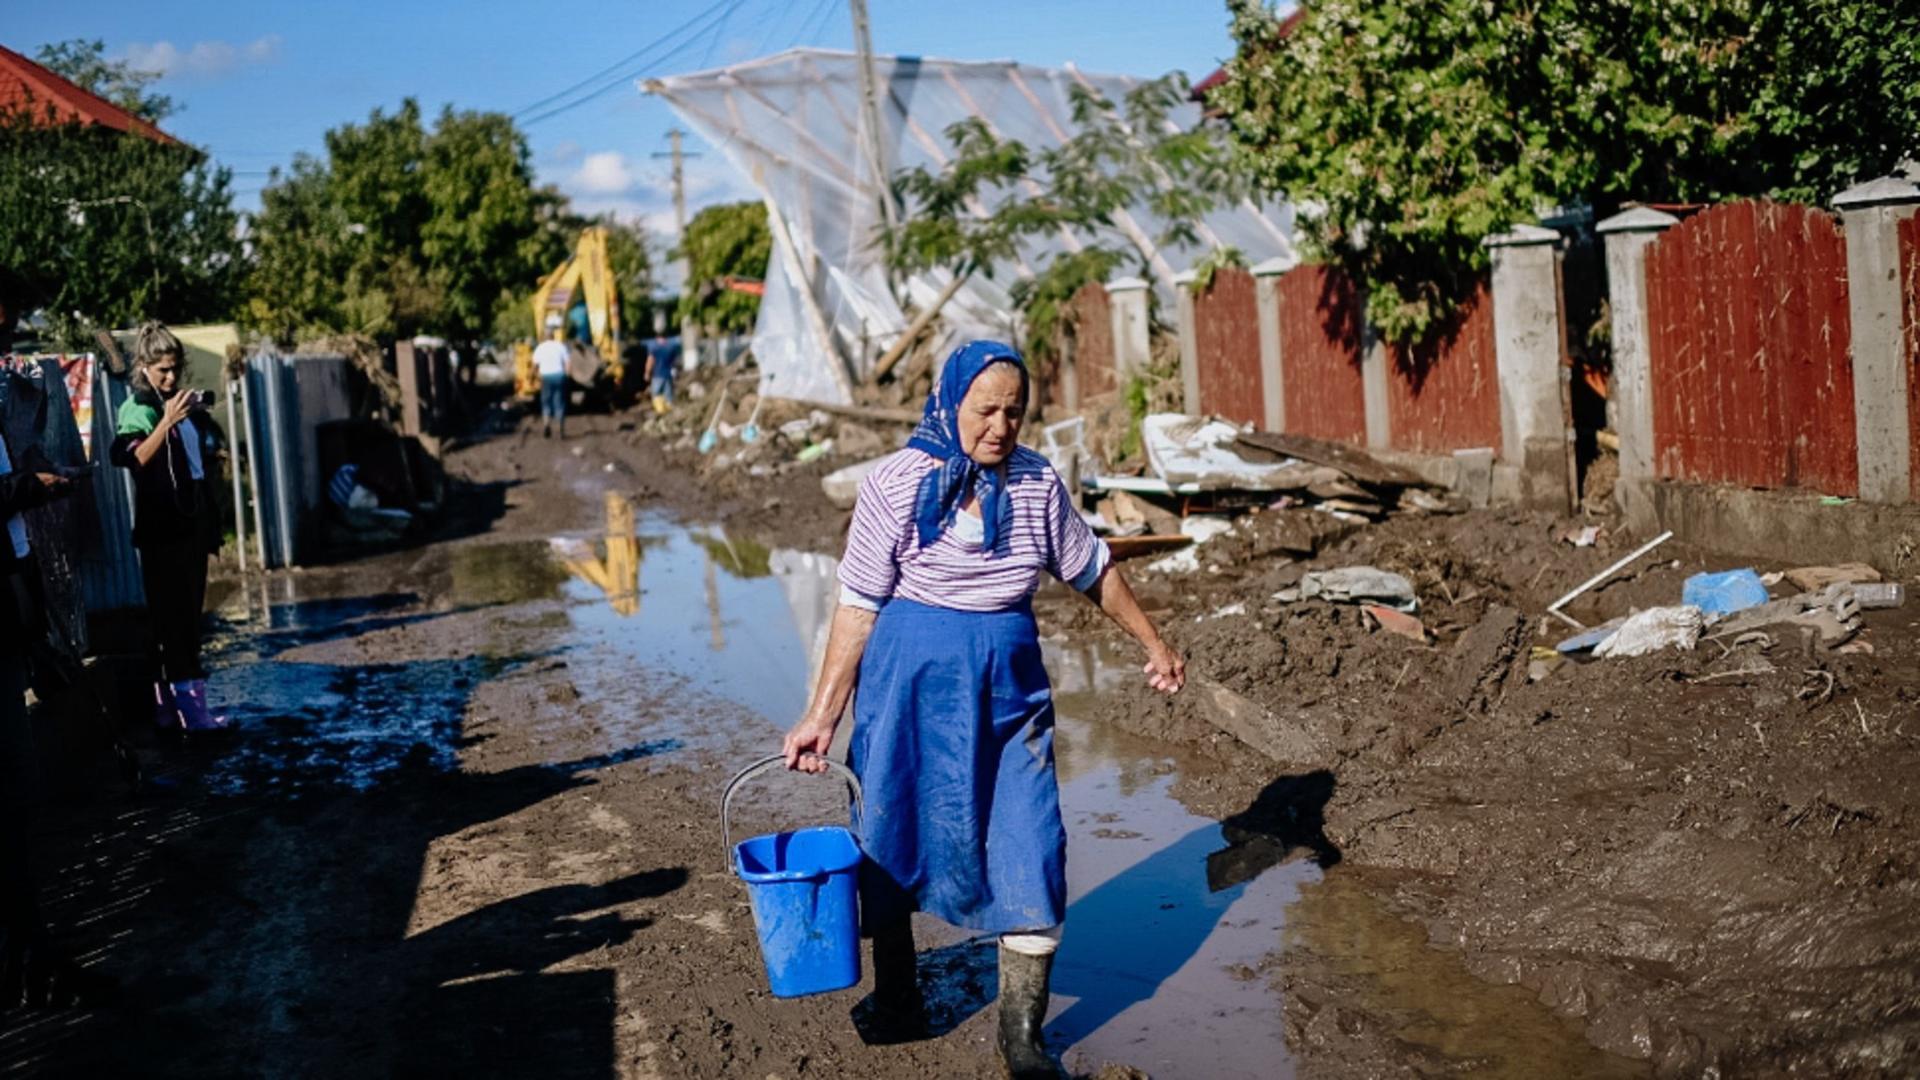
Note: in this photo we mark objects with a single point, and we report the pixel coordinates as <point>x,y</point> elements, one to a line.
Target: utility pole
<point>690,331</point>
<point>870,106</point>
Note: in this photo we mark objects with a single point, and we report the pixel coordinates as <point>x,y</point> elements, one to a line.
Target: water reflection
<point>617,574</point>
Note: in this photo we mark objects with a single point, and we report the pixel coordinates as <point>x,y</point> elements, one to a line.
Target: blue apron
<point>953,743</point>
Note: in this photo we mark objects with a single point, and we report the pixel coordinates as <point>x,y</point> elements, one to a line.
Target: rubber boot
<point>1023,1009</point>
<point>166,711</point>
<point>192,697</point>
<point>895,1012</point>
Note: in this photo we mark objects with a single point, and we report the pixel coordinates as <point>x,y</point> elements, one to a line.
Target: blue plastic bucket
<point>803,888</point>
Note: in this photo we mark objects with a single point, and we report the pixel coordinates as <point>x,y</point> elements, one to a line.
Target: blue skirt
<point>953,744</point>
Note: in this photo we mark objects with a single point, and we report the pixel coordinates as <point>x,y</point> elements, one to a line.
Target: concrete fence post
<point>1132,328</point>
<point>1374,361</point>
<point>1627,235</point>
<point>1183,300</point>
<point>1871,214</point>
<point>1266,298</point>
<point>1526,351</point>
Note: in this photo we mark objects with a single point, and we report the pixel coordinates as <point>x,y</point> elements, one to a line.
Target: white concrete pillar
<point>1871,214</point>
<point>1266,298</point>
<point>1189,342</point>
<point>1373,382</point>
<point>1132,328</point>
<point>1526,349</point>
<point>1627,235</point>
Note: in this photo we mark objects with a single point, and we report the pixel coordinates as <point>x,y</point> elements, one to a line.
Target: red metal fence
<point>1752,374</point>
<point>1227,337</point>
<point>1091,316</point>
<point>1320,336</point>
<point>1444,394</point>
<point>1910,307</point>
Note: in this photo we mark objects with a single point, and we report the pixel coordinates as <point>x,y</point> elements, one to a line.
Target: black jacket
<point>169,505</point>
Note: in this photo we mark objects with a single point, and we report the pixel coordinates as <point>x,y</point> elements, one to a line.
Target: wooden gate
<point>1227,340</point>
<point>1752,374</point>
<point>1320,320</point>
<point>1443,394</point>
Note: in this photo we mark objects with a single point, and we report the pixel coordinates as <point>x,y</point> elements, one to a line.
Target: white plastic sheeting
<point>794,127</point>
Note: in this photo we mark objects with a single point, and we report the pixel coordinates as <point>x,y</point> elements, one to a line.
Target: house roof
<point>1205,86</point>
<point>26,85</point>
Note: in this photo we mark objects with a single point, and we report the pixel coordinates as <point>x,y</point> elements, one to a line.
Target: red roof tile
<point>25,84</point>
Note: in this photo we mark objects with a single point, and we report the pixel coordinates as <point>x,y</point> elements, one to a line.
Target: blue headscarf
<point>945,488</point>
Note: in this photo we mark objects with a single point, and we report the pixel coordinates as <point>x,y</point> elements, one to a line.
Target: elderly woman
<point>953,723</point>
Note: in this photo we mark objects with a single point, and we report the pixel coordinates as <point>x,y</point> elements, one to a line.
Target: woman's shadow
<point>1130,934</point>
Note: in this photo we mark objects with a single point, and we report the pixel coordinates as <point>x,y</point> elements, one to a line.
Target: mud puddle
<point>678,640</point>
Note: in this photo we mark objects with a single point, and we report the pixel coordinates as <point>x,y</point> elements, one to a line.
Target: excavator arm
<point>586,277</point>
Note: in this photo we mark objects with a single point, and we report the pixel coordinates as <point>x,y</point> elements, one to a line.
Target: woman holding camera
<point>161,435</point>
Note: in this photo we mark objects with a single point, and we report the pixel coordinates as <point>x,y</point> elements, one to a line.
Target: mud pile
<point>1706,857</point>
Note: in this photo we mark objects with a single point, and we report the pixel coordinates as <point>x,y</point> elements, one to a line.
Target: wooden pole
<point>920,321</point>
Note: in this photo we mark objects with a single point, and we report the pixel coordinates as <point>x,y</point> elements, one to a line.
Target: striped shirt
<point>884,558</point>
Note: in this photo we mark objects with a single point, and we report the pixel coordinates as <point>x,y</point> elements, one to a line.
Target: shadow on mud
<point>291,944</point>
<point>1139,907</point>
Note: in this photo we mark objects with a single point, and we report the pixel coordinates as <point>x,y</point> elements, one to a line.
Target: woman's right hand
<point>177,408</point>
<point>806,745</point>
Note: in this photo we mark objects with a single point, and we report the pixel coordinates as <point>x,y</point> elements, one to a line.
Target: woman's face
<point>164,374</point>
<point>991,414</point>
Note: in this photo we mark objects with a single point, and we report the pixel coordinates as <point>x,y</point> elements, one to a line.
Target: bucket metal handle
<point>763,765</point>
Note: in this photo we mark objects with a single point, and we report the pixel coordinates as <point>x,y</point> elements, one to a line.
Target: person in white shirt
<point>550,361</point>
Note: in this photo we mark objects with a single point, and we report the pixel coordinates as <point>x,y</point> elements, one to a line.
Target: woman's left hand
<point>1165,670</point>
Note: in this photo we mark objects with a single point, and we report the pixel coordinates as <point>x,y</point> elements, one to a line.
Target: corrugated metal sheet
<point>1227,347</point>
<point>110,567</point>
<point>288,397</point>
<point>1444,394</point>
<point>1320,322</point>
<point>1752,372</point>
<point>1910,278</point>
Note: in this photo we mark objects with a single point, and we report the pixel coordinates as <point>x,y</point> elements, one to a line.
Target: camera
<point>200,399</point>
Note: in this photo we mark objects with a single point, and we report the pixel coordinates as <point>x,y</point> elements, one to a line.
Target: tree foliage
<point>1409,130</point>
<point>84,63</point>
<point>729,240</point>
<point>401,230</point>
<point>105,228</point>
<point>978,212</point>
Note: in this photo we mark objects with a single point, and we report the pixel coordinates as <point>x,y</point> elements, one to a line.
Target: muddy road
<point>470,826</point>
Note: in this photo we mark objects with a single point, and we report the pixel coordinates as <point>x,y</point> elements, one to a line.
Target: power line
<point>817,20</point>
<point>627,77</point>
<point>718,5</point>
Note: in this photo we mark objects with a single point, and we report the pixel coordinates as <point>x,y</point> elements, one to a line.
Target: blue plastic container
<point>803,888</point>
<point>1724,593</point>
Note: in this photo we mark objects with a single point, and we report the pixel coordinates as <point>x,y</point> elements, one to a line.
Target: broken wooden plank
<point>1356,463</point>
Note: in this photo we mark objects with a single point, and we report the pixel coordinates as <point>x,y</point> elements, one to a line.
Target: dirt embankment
<point>1707,857</point>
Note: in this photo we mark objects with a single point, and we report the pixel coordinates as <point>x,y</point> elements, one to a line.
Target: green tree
<point>400,230</point>
<point>1409,130</point>
<point>106,229</point>
<point>729,240</point>
<point>84,63</point>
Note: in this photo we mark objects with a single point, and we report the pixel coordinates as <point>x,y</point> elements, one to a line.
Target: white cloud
<point>604,173</point>
<point>203,58</point>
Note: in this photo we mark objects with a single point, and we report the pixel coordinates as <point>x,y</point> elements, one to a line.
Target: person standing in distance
<point>550,361</point>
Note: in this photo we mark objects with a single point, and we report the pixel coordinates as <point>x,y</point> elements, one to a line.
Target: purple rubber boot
<point>192,696</point>
<point>166,711</point>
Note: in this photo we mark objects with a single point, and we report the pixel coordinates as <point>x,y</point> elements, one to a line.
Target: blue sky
<point>261,81</point>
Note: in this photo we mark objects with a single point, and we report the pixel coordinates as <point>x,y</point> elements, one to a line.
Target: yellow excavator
<point>582,294</point>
